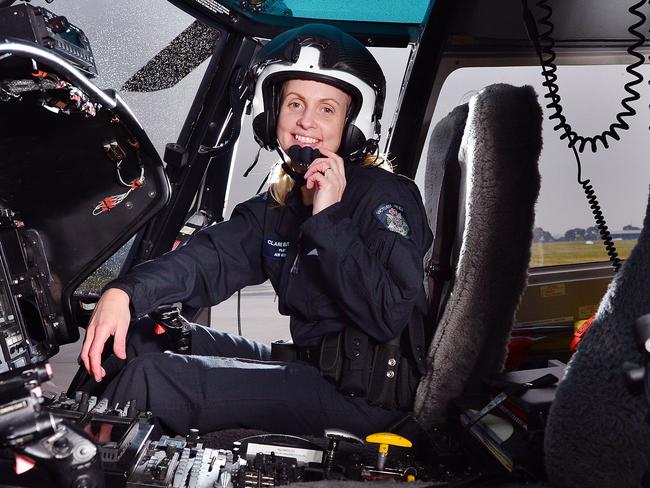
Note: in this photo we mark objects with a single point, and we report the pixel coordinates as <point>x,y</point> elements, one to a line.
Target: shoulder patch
<point>392,218</point>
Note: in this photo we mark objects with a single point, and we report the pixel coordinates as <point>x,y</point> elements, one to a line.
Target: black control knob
<point>84,482</point>
<point>170,451</point>
<point>61,445</point>
<point>193,437</point>
<point>58,24</point>
<point>258,462</point>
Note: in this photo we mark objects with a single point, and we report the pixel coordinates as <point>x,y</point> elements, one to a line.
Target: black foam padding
<point>597,432</point>
<point>303,156</point>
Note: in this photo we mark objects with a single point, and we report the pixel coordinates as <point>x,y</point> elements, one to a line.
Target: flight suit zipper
<point>295,266</point>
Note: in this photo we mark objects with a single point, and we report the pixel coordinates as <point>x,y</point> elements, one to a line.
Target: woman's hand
<point>110,318</point>
<point>327,176</point>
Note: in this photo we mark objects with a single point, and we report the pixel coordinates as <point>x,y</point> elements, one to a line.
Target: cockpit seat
<point>499,185</point>
<point>597,433</point>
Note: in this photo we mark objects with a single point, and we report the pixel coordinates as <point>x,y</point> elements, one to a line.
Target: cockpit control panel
<point>27,314</point>
<point>51,31</point>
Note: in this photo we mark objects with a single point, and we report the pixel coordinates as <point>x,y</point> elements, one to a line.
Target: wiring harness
<point>115,153</point>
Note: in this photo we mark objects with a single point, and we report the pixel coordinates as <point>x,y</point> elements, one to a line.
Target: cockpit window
<point>565,229</point>
<point>389,11</point>
<point>121,48</point>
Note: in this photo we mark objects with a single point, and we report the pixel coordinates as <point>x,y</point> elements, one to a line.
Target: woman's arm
<point>215,263</point>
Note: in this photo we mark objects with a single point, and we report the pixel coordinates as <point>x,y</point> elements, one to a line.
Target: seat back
<point>499,186</point>
<point>597,432</point>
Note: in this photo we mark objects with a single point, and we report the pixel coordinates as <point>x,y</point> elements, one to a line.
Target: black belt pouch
<point>385,374</point>
<point>330,361</point>
<point>357,361</point>
<point>408,378</point>
<point>285,351</point>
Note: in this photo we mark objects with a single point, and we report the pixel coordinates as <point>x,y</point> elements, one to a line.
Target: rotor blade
<point>184,53</point>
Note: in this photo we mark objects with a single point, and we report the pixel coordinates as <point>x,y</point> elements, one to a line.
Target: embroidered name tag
<point>392,218</point>
<point>275,249</point>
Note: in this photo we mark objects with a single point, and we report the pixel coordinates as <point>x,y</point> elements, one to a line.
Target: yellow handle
<point>384,439</point>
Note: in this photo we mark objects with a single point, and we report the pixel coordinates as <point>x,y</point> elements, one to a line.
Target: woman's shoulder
<point>384,195</point>
<point>377,180</point>
<point>256,204</point>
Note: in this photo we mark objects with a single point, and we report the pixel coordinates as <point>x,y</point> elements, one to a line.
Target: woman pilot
<point>341,239</point>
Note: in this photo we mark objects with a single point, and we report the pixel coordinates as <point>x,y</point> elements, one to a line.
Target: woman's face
<point>311,114</point>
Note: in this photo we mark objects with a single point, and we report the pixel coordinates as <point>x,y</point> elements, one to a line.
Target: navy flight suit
<point>359,261</point>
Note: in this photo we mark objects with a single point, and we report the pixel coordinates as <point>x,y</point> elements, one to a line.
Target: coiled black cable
<point>544,45</point>
<point>547,58</point>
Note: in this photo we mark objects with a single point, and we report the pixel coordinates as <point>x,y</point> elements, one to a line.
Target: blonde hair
<point>281,183</point>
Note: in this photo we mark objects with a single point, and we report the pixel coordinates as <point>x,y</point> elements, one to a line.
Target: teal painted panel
<point>390,11</point>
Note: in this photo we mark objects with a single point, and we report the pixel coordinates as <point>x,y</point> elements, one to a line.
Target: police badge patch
<point>392,218</point>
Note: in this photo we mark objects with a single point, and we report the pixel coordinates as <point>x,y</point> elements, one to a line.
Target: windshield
<point>124,37</point>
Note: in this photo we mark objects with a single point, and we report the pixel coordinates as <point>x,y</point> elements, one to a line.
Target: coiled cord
<point>601,224</point>
<point>549,69</point>
<point>544,45</point>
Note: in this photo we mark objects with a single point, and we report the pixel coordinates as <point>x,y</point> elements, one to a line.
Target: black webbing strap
<point>448,136</point>
<point>438,268</point>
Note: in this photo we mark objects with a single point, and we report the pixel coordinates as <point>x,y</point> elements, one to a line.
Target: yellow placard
<point>557,290</point>
<point>587,311</point>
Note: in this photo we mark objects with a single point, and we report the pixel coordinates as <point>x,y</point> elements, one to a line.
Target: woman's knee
<point>143,369</point>
<point>213,342</point>
<point>139,377</point>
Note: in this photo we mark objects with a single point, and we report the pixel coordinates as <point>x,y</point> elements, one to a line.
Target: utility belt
<point>359,367</point>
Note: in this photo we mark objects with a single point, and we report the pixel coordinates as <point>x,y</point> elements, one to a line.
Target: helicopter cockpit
<point>123,134</point>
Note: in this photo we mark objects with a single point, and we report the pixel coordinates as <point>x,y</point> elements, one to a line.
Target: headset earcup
<point>264,127</point>
<point>351,141</point>
<point>260,130</point>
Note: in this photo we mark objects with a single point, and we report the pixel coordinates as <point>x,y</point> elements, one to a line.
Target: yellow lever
<point>385,439</point>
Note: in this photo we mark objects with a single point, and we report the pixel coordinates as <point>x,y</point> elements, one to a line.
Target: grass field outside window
<point>575,252</point>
